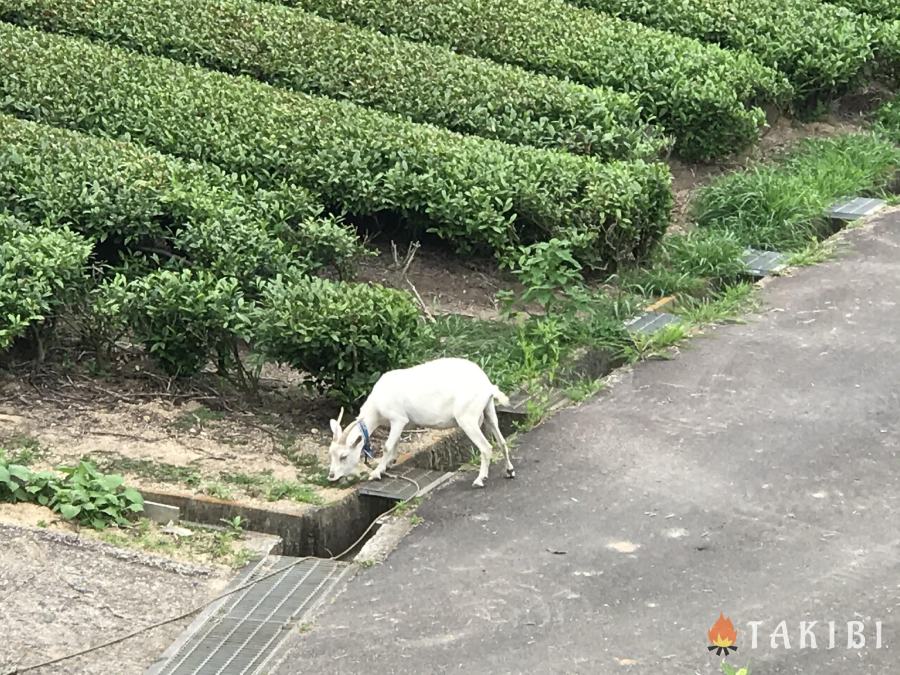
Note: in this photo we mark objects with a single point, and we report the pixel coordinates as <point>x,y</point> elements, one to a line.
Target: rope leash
<point>221,596</point>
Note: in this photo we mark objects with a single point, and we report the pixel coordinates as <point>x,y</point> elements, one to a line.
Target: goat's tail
<point>501,398</point>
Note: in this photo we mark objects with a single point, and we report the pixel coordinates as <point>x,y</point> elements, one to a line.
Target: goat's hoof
<point>478,482</point>
<point>375,476</point>
<point>510,473</point>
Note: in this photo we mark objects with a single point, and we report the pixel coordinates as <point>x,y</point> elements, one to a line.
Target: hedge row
<point>887,48</point>
<point>883,9</point>
<point>229,280</point>
<point>140,200</point>
<point>471,191</point>
<point>40,268</point>
<point>822,49</point>
<point>342,336</point>
<point>706,96</point>
<point>308,53</point>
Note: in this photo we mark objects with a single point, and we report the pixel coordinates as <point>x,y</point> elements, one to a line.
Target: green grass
<point>145,468</point>
<point>780,206</point>
<point>265,486</point>
<point>218,490</point>
<point>815,252</point>
<point>204,544</point>
<point>724,305</point>
<point>21,449</point>
<point>658,344</point>
<point>888,119</point>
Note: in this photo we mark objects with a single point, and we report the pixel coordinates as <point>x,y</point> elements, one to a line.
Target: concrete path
<point>756,474</point>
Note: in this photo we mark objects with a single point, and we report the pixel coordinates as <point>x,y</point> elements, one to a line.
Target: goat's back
<point>434,393</point>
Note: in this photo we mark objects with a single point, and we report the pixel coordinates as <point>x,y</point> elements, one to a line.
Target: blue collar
<point>368,453</point>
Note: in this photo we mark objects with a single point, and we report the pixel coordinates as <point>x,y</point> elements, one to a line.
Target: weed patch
<point>781,206</point>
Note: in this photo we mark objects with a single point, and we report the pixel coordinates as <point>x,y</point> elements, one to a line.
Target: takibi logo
<point>722,636</point>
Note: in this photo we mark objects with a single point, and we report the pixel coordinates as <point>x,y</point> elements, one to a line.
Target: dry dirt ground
<point>60,593</point>
<point>173,441</point>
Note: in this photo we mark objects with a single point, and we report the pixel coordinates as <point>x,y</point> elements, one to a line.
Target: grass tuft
<point>781,206</point>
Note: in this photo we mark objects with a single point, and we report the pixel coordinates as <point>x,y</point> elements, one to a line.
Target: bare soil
<point>60,593</point>
<point>189,441</point>
<point>446,282</point>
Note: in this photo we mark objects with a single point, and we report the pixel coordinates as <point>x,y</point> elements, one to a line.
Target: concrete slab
<point>853,208</point>
<point>161,513</point>
<point>757,474</point>
<point>761,264</point>
<point>650,322</point>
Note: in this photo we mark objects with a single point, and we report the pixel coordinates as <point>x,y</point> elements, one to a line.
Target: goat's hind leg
<point>494,425</point>
<point>472,429</point>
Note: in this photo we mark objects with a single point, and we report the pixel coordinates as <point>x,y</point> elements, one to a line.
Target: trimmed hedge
<point>704,95</point>
<point>41,268</point>
<point>305,52</point>
<point>194,309</point>
<point>471,191</point>
<point>140,200</point>
<point>344,336</point>
<point>887,49</point>
<point>883,9</point>
<point>885,16</point>
<point>822,49</point>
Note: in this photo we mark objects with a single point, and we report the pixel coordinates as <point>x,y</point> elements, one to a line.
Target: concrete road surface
<point>755,475</point>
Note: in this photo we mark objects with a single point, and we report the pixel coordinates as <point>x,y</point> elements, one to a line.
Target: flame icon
<point>722,636</point>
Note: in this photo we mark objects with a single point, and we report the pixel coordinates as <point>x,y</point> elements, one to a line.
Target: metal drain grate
<point>241,634</point>
<point>399,489</point>
<point>855,207</point>
<point>650,322</point>
<point>763,263</point>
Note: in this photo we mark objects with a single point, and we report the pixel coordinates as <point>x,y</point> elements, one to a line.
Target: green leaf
<point>111,482</point>
<point>133,496</point>
<point>69,511</point>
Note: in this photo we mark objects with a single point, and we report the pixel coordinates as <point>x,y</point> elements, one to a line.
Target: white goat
<point>437,394</point>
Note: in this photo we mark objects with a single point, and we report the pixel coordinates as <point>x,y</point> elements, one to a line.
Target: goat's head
<point>344,457</point>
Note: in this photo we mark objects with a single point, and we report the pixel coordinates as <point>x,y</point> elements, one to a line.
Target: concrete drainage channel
<point>240,633</point>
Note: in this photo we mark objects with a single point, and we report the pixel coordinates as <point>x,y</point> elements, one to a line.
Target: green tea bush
<point>183,318</point>
<point>887,49</point>
<point>41,270</point>
<point>471,191</point>
<point>782,205</point>
<point>342,335</point>
<point>883,9</point>
<point>196,308</point>
<point>144,201</point>
<point>822,49</point>
<point>704,95</point>
<point>302,51</point>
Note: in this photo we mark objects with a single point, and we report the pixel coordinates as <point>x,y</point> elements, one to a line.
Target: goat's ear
<point>336,429</point>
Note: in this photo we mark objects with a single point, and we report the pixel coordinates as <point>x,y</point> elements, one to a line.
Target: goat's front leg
<point>390,449</point>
